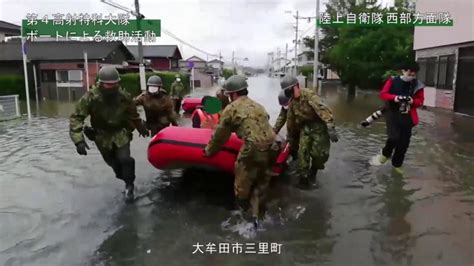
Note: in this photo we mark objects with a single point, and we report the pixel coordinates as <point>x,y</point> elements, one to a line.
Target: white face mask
<point>285,107</point>
<point>407,78</point>
<point>153,89</point>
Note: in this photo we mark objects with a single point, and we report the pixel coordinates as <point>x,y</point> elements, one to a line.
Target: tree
<point>362,55</point>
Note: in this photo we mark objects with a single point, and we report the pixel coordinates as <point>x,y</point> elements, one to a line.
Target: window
<point>69,78</point>
<point>422,72</point>
<point>430,71</point>
<point>48,76</point>
<point>446,72</point>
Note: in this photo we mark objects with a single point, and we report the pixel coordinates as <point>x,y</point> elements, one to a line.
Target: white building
<point>445,55</point>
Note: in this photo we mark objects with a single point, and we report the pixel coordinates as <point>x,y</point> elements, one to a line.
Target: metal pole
<point>286,57</point>
<point>192,74</point>
<point>316,49</point>
<point>25,69</point>
<point>141,65</point>
<point>233,64</point>
<point>36,88</point>
<point>296,45</point>
<point>86,68</point>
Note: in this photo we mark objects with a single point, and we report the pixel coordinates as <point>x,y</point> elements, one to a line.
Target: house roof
<point>153,51</point>
<point>216,61</point>
<point>9,26</point>
<point>195,58</point>
<point>65,50</point>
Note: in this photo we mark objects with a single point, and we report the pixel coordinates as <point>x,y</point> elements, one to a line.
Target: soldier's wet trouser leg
<point>393,136</point>
<point>121,162</point>
<point>177,105</point>
<point>304,154</point>
<point>252,176</point>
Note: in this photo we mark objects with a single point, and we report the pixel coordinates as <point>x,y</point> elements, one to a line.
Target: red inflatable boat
<point>175,147</point>
<point>190,104</point>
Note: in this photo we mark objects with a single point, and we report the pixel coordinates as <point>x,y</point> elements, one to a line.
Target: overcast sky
<point>251,28</point>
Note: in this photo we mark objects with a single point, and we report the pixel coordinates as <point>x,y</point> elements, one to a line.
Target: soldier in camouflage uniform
<point>176,93</point>
<point>310,123</point>
<point>159,108</point>
<point>113,117</point>
<point>223,98</point>
<point>250,122</point>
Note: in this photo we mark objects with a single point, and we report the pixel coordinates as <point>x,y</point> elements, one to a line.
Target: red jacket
<point>418,99</point>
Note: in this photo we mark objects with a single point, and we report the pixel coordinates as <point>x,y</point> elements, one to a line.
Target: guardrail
<point>9,107</point>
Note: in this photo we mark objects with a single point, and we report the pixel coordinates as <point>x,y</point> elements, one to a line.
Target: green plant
<point>131,81</point>
<point>390,73</point>
<point>12,84</point>
<point>306,71</point>
<point>227,73</point>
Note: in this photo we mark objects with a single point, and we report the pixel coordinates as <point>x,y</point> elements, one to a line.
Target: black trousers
<point>399,134</point>
<point>121,162</point>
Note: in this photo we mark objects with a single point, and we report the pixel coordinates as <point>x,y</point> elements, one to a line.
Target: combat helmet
<point>108,74</point>
<point>154,81</point>
<point>235,83</point>
<point>288,82</point>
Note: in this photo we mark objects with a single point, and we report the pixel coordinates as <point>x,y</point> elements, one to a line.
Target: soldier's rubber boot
<point>304,183</point>
<point>313,178</point>
<point>129,193</point>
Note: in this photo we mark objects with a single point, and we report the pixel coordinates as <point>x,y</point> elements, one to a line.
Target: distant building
<point>218,65</point>
<point>60,65</point>
<point>203,75</point>
<point>445,55</point>
<point>161,57</point>
<point>8,29</point>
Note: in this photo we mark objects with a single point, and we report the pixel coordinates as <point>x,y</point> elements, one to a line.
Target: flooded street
<point>59,208</point>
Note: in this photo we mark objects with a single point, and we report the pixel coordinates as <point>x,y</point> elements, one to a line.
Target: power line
<point>172,35</point>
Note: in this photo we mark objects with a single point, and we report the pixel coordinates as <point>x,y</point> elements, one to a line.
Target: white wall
<point>430,96</point>
<point>462,12</point>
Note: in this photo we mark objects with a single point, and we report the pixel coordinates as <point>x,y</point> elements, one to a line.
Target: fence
<point>9,107</point>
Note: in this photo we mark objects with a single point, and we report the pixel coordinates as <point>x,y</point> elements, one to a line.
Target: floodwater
<point>59,208</point>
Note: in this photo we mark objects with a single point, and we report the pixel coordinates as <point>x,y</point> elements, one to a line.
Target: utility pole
<point>286,57</point>
<point>139,17</point>
<point>316,49</point>
<point>296,45</point>
<point>233,64</point>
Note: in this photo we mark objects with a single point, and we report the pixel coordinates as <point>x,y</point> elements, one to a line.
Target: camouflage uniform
<point>159,111</point>
<point>293,139</point>
<point>176,92</point>
<point>249,121</point>
<point>308,121</point>
<point>113,121</point>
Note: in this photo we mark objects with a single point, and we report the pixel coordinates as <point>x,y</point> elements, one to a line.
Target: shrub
<point>131,81</point>
<point>227,73</point>
<point>12,84</point>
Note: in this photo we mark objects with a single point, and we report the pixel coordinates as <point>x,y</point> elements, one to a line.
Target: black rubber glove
<point>142,130</point>
<point>333,134</point>
<point>364,123</point>
<point>82,148</point>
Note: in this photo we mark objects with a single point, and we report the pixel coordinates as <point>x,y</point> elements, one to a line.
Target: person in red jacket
<point>402,96</point>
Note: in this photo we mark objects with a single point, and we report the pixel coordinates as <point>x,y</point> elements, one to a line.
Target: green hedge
<point>227,73</point>
<point>131,81</point>
<point>306,71</point>
<point>12,84</point>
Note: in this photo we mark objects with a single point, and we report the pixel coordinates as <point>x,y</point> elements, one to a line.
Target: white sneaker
<point>378,159</point>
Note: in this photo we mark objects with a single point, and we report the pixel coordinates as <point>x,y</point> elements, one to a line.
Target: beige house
<point>202,77</point>
<point>446,56</point>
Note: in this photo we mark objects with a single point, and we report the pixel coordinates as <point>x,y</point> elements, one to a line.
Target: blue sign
<point>190,64</point>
